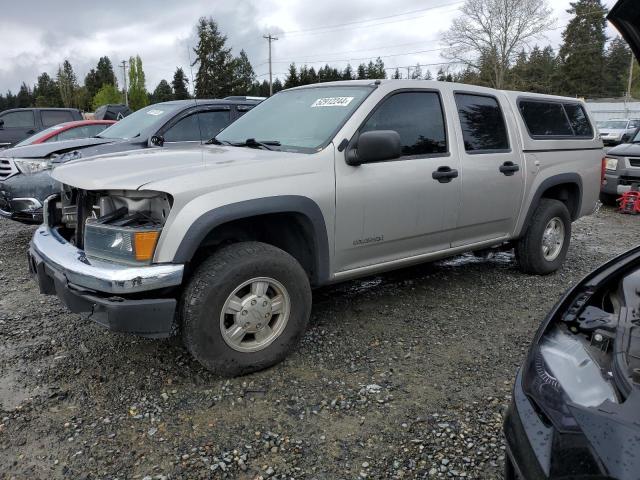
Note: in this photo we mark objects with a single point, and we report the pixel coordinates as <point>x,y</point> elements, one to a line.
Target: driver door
<point>391,210</point>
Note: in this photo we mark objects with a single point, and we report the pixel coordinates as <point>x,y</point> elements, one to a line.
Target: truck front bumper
<point>118,297</point>
<point>620,181</point>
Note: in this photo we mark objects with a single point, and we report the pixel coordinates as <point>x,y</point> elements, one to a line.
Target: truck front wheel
<point>543,248</point>
<point>245,308</point>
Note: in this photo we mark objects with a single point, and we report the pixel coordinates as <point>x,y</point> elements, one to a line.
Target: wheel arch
<point>565,187</point>
<point>306,238</point>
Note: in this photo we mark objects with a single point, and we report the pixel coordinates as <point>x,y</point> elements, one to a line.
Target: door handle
<point>509,168</point>
<point>444,174</point>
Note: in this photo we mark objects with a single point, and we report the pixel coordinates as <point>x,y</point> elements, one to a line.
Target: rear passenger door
<point>16,126</point>
<point>54,117</point>
<point>491,169</point>
<point>395,209</point>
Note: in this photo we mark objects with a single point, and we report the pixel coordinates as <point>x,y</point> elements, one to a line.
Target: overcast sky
<point>38,35</point>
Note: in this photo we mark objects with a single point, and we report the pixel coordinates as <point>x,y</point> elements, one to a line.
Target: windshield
<point>38,136</point>
<point>613,124</point>
<point>133,125</point>
<point>302,120</point>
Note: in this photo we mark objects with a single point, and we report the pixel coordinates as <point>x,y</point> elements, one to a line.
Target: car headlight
<point>122,244</point>
<point>66,156</point>
<point>561,371</point>
<point>29,167</point>
<point>611,163</point>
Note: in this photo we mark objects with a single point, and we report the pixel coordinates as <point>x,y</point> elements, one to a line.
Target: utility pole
<point>270,38</point>
<point>123,64</point>
<point>408,73</point>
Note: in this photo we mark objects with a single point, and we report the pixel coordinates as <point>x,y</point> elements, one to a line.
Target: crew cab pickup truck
<point>223,243</point>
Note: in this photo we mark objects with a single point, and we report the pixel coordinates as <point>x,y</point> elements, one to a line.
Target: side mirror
<point>157,140</point>
<point>375,146</point>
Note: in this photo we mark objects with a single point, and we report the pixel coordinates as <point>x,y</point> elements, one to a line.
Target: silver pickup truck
<point>222,243</point>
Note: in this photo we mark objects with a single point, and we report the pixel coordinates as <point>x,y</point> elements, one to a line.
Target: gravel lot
<point>403,375</point>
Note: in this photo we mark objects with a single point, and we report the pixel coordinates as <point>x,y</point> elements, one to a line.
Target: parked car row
<point>19,123</point>
<point>25,170</point>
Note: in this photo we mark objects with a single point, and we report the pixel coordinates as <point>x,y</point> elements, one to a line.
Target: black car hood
<point>45,150</point>
<point>626,150</point>
<point>614,432</point>
<point>625,16</point>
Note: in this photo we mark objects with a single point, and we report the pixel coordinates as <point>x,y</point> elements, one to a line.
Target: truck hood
<point>168,168</point>
<point>625,16</point>
<point>612,131</point>
<point>45,150</point>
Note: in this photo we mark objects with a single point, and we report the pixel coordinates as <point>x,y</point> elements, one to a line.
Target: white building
<point>609,108</point>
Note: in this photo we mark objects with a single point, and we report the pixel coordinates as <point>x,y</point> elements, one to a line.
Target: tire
<point>225,344</point>
<point>608,199</point>
<point>530,249</point>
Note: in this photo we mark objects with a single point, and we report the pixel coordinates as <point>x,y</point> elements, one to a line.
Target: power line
<point>357,22</point>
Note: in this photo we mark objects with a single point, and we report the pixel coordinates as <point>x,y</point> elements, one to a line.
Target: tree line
<point>586,64</point>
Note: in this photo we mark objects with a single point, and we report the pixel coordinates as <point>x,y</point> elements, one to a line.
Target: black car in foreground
<point>25,179</point>
<point>575,412</point>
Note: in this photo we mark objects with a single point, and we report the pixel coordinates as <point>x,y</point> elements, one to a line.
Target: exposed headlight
<point>131,245</point>
<point>611,163</point>
<point>65,157</point>
<point>561,371</point>
<point>29,167</point>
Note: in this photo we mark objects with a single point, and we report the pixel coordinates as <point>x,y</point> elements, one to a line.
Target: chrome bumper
<point>72,263</point>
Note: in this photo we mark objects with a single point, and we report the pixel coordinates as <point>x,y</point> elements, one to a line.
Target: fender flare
<point>261,206</point>
<point>562,178</point>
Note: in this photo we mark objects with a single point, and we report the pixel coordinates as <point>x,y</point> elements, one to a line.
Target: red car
<point>68,131</point>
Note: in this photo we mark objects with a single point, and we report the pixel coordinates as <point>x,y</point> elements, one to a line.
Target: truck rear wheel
<point>543,248</point>
<point>245,308</point>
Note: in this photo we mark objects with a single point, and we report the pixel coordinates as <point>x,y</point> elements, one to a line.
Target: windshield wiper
<point>215,141</point>
<point>266,144</point>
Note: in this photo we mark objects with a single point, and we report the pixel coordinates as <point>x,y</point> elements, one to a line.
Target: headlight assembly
<point>29,167</point>
<point>123,244</point>
<point>611,163</point>
<point>561,371</point>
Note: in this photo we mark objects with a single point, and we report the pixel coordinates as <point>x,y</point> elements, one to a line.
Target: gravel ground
<point>402,375</point>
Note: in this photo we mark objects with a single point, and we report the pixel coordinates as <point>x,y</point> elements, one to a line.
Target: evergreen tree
<point>428,75</point>
<point>215,62</point>
<point>582,51</point>
<point>67,84</point>
<point>347,73</point>
<point>277,85</point>
<point>264,89</point>
<point>617,64</point>
<point>179,85</point>
<point>518,75</point>
<point>138,97</point>
<point>362,72</point>
<point>292,79</point>
<point>46,92</point>
<point>396,74</point>
<point>104,73</point>
<point>416,74</point>
<point>542,71</point>
<point>162,92</point>
<point>244,76</point>
<point>24,98</point>
<point>379,70</point>
<point>91,83</point>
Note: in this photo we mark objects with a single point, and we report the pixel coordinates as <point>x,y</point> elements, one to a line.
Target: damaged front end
<point>95,252</point>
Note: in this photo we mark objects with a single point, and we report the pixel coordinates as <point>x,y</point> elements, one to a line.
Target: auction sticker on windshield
<point>155,112</point>
<point>332,102</point>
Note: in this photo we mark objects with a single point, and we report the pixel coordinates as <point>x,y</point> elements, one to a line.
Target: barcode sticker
<point>332,102</point>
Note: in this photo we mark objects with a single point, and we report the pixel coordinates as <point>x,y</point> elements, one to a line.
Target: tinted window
<point>189,128</point>
<point>482,123</point>
<point>545,119</point>
<point>18,119</point>
<point>85,131</point>
<point>418,119</point>
<point>578,120</point>
<point>54,117</point>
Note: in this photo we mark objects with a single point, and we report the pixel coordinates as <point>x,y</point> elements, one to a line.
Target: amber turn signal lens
<point>145,245</point>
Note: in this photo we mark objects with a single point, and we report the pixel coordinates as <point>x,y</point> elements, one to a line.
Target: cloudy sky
<point>38,35</point>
